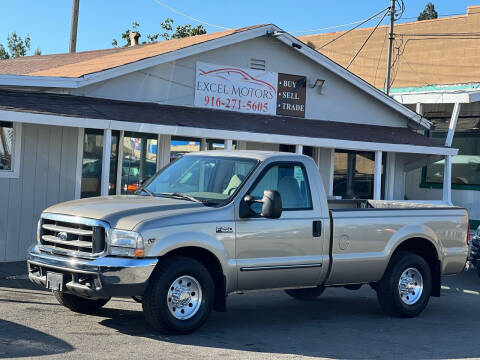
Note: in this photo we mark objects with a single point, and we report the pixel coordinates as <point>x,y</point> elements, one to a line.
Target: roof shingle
<point>78,64</point>
<point>182,116</point>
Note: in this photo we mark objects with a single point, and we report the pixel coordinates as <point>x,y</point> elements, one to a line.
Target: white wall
<point>173,83</point>
<point>47,176</point>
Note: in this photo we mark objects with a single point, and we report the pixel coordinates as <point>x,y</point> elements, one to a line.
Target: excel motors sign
<point>245,90</point>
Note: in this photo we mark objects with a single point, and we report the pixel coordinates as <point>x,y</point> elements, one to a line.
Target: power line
<point>366,40</point>
<point>439,34</point>
<point>348,31</point>
<point>190,17</point>
<point>332,27</point>
<point>358,22</point>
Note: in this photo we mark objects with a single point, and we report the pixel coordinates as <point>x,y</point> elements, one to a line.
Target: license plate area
<point>54,281</point>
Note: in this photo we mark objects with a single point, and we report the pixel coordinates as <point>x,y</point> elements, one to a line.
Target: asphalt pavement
<point>340,324</point>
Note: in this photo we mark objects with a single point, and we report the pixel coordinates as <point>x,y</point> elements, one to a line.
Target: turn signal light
<point>138,252</point>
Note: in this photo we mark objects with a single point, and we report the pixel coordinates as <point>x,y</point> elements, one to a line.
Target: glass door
<point>139,160</point>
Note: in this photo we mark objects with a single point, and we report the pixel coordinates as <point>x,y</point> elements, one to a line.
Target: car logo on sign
<point>62,235</point>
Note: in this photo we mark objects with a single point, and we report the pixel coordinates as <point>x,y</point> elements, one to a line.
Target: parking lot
<point>270,325</point>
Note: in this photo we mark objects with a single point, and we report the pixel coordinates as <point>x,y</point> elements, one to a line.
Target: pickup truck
<point>215,223</point>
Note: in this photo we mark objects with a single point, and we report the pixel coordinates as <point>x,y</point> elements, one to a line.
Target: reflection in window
<point>465,165</point>
<point>292,184</point>
<point>180,146</point>
<point>209,178</point>
<point>92,163</point>
<point>354,174</point>
<point>139,160</point>
<point>6,145</point>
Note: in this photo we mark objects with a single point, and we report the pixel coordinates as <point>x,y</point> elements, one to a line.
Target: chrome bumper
<point>103,277</point>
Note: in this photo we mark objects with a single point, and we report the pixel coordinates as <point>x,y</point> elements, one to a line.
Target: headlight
<point>126,243</point>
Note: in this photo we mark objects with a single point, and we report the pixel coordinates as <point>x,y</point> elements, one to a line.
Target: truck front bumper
<point>102,277</point>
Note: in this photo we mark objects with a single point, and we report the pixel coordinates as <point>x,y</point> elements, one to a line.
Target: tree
<point>17,46</point>
<point>428,13</point>
<point>181,31</point>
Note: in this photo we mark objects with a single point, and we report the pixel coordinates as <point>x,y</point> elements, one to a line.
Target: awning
<point>80,111</point>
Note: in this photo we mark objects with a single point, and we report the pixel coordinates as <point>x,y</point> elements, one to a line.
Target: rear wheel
<point>404,290</point>
<point>179,297</point>
<point>79,304</point>
<point>306,293</point>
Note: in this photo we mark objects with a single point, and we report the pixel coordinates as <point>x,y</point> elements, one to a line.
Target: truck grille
<point>77,236</point>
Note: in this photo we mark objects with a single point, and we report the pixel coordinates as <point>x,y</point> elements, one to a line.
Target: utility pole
<point>73,27</point>
<point>390,48</point>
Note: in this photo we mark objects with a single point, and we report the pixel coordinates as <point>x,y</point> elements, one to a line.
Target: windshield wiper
<point>184,197</point>
<point>181,196</point>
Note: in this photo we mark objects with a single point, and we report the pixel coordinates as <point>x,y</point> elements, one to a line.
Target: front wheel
<point>179,297</point>
<point>306,293</point>
<point>404,290</point>
<point>79,304</point>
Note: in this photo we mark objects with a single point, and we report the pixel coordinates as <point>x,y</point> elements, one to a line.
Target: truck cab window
<point>208,178</point>
<point>290,181</point>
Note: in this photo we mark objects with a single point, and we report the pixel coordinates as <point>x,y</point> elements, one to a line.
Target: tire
<point>170,305</point>
<point>417,286</point>
<point>306,293</point>
<point>79,304</point>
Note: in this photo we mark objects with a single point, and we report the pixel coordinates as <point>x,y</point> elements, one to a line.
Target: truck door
<point>284,252</point>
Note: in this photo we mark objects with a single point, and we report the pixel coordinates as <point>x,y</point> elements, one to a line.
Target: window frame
<point>292,163</point>
<point>14,172</point>
<point>431,185</point>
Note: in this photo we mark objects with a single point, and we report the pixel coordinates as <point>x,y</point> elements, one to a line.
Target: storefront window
<point>139,160</point>
<point>465,165</point>
<point>6,145</point>
<point>92,163</point>
<point>180,146</point>
<point>354,174</point>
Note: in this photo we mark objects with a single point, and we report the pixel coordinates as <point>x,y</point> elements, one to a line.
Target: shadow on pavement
<point>20,341</point>
<point>334,326</point>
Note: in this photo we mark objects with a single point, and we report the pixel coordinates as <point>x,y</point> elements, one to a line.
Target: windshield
<point>210,179</point>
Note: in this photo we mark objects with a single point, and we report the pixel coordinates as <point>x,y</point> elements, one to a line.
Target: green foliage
<point>181,31</point>
<point>17,46</point>
<point>3,53</point>
<point>428,13</point>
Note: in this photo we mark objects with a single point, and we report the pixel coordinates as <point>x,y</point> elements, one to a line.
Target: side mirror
<point>272,204</point>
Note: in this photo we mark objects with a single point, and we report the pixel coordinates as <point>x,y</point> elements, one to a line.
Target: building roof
<point>79,64</point>
<point>424,53</point>
<point>77,70</point>
<point>83,108</point>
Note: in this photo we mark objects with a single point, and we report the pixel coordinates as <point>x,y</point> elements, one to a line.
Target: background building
<point>98,122</point>
<point>435,72</point>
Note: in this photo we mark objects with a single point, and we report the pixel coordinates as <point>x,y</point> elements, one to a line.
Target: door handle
<point>317,228</point>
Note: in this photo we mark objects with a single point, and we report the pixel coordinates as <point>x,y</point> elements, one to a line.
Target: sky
<point>48,21</point>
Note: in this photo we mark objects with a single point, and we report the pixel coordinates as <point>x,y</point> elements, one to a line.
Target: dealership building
<point>99,122</point>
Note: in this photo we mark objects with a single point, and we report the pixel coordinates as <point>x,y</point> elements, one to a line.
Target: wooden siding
<point>47,176</point>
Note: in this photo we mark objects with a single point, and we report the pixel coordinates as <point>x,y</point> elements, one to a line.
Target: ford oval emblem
<point>62,235</point>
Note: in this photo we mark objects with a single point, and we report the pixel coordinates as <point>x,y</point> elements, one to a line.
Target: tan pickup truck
<point>215,223</point>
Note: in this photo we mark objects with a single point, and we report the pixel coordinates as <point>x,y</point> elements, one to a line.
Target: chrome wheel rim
<point>410,286</point>
<point>184,297</point>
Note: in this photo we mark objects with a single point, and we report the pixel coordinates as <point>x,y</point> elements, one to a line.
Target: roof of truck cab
<point>250,154</point>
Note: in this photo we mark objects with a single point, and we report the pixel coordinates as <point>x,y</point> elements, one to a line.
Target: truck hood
<point>125,211</point>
